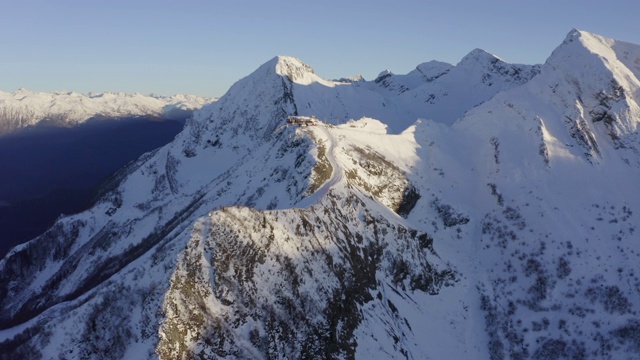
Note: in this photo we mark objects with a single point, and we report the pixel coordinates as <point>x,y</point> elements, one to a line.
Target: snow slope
<point>434,90</point>
<point>24,108</point>
<point>507,233</point>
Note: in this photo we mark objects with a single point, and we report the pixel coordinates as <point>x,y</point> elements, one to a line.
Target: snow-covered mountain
<point>24,108</point>
<point>507,233</point>
<point>434,90</point>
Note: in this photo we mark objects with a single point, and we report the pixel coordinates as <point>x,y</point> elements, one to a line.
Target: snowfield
<point>483,211</point>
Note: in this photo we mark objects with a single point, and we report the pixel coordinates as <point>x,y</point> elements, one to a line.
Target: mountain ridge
<point>27,108</point>
<point>448,237</point>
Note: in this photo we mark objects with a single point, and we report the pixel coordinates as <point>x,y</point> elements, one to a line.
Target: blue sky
<point>202,47</point>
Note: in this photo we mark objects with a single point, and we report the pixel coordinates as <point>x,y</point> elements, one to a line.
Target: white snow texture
<point>479,211</point>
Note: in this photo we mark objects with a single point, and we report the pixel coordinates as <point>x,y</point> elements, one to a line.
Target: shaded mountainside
<point>49,171</point>
<point>507,233</point>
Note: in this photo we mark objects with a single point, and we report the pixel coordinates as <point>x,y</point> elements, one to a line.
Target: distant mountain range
<point>50,166</point>
<point>26,108</point>
<point>479,211</point>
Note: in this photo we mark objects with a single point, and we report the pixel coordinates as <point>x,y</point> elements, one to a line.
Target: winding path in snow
<point>336,171</point>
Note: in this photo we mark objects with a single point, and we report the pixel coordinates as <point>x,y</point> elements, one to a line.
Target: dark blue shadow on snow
<point>46,171</point>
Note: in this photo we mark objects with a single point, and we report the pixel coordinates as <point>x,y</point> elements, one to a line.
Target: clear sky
<point>202,47</point>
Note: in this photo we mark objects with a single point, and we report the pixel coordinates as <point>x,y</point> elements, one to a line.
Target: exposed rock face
<point>294,281</point>
<point>507,233</point>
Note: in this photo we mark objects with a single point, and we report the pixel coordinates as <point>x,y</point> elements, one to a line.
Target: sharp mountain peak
<point>291,67</point>
<point>253,237</point>
<point>479,56</point>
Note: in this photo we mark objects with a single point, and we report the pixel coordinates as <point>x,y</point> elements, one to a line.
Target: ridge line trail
<point>336,171</point>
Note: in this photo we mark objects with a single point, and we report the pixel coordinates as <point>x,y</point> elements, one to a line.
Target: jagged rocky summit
<point>483,210</point>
